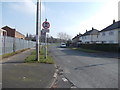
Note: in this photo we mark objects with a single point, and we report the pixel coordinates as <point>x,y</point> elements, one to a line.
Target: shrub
<point>101,47</point>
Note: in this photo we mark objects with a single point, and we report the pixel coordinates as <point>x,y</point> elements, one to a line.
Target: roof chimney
<point>92,28</point>
<point>113,21</point>
<point>86,30</point>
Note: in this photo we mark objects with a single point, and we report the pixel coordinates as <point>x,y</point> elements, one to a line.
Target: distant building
<point>75,40</point>
<point>90,36</point>
<point>110,34</point>
<point>13,33</point>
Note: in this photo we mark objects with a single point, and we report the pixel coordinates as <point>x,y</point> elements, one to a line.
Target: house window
<point>103,41</point>
<point>86,42</point>
<point>97,36</point>
<point>111,33</point>
<point>103,34</point>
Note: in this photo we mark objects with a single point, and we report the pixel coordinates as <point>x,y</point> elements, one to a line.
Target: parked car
<point>63,45</point>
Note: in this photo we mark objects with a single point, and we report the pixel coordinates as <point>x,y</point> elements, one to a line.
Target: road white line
<point>55,75</point>
<point>64,79</point>
<point>73,87</point>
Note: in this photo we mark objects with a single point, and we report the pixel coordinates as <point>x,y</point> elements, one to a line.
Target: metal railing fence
<point>10,44</point>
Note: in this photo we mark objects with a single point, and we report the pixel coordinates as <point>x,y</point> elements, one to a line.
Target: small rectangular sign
<point>45,30</point>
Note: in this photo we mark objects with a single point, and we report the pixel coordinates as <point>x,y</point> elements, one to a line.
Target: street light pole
<point>38,27</point>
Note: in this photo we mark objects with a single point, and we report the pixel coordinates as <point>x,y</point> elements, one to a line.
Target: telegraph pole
<point>38,27</point>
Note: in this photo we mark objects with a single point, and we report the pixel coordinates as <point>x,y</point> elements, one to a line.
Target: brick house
<point>13,33</point>
<point>3,32</point>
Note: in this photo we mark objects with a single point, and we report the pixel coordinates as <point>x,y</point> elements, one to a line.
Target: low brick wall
<point>101,47</point>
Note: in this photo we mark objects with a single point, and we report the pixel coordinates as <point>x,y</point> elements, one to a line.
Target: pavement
<point>17,74</point>
<point>86,70</point>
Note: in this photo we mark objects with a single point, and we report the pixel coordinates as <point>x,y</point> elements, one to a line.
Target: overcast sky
<point>69,17</point>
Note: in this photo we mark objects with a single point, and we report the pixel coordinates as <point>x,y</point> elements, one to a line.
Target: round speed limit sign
<point>46,25</point>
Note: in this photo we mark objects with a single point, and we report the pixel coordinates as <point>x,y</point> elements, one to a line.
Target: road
<point>87,70</point>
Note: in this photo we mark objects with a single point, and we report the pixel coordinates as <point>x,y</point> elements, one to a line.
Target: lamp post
<point>38,27</point>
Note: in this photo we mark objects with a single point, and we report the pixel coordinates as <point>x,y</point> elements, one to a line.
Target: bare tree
<point>63,36</point>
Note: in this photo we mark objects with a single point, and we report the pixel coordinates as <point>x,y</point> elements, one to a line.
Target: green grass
<point>13,53</point>
<point>41,52</point>
<point>32,58</point>
<point>86,50</point>
<point>48,60</point>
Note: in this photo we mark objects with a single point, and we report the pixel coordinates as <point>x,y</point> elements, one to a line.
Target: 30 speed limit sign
<point>46,25</point>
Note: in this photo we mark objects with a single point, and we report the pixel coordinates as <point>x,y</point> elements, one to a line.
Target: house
<point>3,32</point>
<point>90,36</point>
<point>13,33</point>
<point>110,34</point>
<point>75,40</point>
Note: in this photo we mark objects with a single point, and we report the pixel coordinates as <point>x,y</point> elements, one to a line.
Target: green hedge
<point>101,47</point>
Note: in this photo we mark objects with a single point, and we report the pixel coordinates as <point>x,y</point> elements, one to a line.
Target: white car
<point>63,45</point>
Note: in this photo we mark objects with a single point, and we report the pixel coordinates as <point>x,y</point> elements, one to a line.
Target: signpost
<point>45,30</point>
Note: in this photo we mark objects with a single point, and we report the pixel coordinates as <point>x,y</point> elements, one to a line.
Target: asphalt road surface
<point>87,70</point>
<point>17,74</point>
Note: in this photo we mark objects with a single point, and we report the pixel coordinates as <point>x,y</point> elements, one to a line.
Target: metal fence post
<point>14,46</point>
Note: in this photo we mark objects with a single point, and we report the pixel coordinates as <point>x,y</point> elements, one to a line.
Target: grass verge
<point>86,50</point>
<point>13,53</point>
<point>31,58</point>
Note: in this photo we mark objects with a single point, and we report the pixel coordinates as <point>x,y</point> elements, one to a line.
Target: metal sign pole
<point>46,45</point>
<point>45,48</point>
